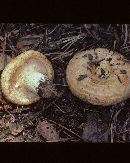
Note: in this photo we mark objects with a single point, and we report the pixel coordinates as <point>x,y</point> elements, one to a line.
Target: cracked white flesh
<point>32,80</point>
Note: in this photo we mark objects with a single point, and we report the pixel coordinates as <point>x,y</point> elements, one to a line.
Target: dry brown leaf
<point>11,138</point>
<point>25,42</point>
<point>17,139</point>
<point>48,131</point>
<point>2,64</point>
<point>6,120</point>
<point>15,128</point>
<point>4,123</point>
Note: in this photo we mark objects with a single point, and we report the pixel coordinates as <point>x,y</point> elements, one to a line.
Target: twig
<point>61,56</point>
<point>114,44</point>
<point>67,129</point>
<point>114,121</point>
<point>69,39</point>
<point>1,50</point>
<point>67,134</point>
<point>44,108</point>
<point>38,26</point>
<point>4,132</point>
<point>46,38</point>
<point>53,29</point>
<point>70,45</point>
<point>126,34</point>
<point>109,27</point>
<point>4,47</point>
<point>2,24</point>
<point>62,85</point>
<point>62,140</point>
<point>59,108</point>
<point>111,131</point>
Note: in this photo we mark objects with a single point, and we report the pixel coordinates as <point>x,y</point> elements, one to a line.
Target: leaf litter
<point>65,118</point>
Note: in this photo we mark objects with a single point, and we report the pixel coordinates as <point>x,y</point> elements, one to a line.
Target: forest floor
<point>65,118</point>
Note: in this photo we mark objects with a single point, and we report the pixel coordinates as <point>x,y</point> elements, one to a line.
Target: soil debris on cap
<point>88,68</point>
<point>102,73</point>
<point>119,79</point>
<point>109,59</point>
<point>96,55</point>
<point>85,55</point>
<point>81,77</point>
<point>90,57</point>
<point>123,71</point>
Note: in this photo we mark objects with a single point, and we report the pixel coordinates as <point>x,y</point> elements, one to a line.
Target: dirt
<point>71,119</point>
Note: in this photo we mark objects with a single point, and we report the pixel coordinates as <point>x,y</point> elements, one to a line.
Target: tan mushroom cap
<point>14,71</point>
<point>99,76</point>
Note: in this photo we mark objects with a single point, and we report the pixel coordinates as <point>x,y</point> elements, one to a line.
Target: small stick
<point>38,114</point>
<point>126,34</point>
<point>59,108</point>
<point>66,129</point>
<point>4,48</point>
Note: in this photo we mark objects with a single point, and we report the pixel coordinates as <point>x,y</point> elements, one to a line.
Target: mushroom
<point>28,77</point>
<point>99,76</point>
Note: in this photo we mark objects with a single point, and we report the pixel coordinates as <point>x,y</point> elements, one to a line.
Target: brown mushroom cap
<point>99,76</point>
<point>14,72</point>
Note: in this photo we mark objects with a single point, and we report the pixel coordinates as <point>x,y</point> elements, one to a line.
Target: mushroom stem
<point>40,84</point>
